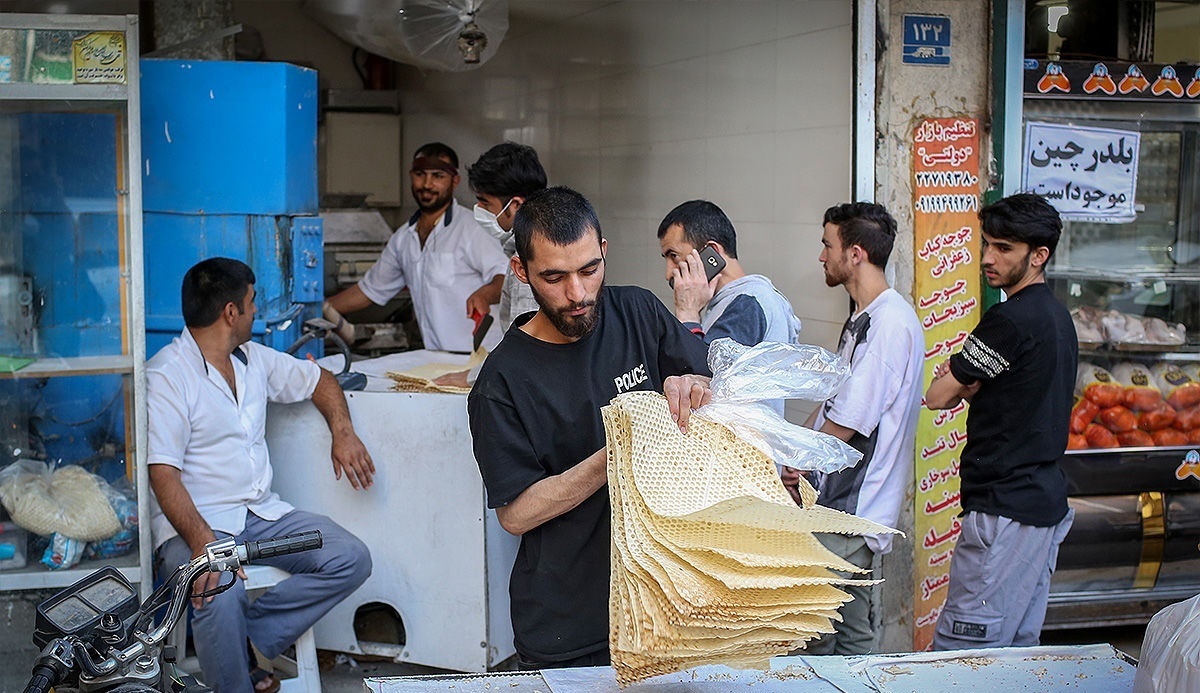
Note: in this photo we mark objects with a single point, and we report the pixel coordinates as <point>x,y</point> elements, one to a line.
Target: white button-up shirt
<point>458,258</point>
<point>216,440</point>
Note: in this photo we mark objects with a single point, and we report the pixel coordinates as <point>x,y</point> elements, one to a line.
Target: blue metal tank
<point>230,169</point>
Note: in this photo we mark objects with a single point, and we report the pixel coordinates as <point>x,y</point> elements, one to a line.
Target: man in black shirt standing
<point>535,420</point>
<point>1017,368</point>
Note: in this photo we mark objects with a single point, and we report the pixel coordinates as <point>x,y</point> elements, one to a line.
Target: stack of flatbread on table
<point>712,560</point>
<point>420,378</point>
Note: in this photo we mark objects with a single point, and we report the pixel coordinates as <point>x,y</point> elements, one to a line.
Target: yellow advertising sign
<point>99,58</point>
<point>946,200</point>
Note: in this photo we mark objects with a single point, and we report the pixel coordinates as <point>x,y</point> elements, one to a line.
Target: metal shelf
<point>1126,276</point>
<point>125,308</point>
<point>64,92</point>
<point>36,576</point>
<point>79,365</point>
<point>1185,352</point>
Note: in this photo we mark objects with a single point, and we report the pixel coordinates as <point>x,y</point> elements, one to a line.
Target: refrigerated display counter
<point>1131,280</point>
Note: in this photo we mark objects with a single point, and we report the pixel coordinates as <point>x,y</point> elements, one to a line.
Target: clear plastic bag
<point>68,500</point>
<point>746,377</point>
<point>1170,658</point>
<point>62,553</point>
<point>427,34</point>
<point>121,498</point>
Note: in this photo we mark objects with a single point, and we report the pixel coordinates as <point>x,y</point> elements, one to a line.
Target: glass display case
<point>73,477</point>
<point>1133,289</point>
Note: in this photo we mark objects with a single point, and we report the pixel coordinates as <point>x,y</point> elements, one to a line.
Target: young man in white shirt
<point>207,395</point>
<point>875,411</point>
<point>452,266</point>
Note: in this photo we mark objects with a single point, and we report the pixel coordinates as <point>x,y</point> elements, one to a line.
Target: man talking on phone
<point>714,297</point>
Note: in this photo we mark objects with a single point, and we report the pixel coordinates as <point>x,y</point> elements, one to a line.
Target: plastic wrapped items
<point>122,542</point>
<point>744,377</point>
<point>1178,388</point>
<point>69,501</point>
<point>1162,400</point>
<point>1097,385</point>
<point>1160,417</point>
<point>1124,331</point>
<point>449,35</point>
<point>1170,658</point>
<point>1187,419</point>
<point>1087,326</point>
<point>713,562</point>
<point>1098,436</point>
<point>1140,392</point>
<point>1120,328</point>
<point>1082,414</point>
<point>1162,333</point>
<point>62,553</point>
<point>1136,438</point>
<point>1118,419</point>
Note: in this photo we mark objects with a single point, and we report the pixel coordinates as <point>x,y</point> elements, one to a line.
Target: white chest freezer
<point>441,559</point>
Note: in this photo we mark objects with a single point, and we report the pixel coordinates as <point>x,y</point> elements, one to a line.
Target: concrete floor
<point>339,675</point>
<point>344,674</point>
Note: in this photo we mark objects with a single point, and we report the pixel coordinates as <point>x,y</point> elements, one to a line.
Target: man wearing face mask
<point>502,179</point>
<point>453,267</point>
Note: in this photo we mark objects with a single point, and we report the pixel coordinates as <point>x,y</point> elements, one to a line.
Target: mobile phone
<point>712,261</point>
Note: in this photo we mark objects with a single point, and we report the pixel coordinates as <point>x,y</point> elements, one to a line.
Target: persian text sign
<point>946,200</point>
<point>1088,174</point>
<point>99,58</point>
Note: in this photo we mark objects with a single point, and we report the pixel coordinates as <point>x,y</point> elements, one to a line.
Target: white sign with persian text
<point>1087,174</point>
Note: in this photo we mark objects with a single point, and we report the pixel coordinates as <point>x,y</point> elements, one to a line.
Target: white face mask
<point>488,221</point>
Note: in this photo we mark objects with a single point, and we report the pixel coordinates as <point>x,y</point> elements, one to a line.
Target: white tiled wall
<point>643,104</point>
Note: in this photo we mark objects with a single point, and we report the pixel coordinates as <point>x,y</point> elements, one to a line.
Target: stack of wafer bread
<point>712,560</point>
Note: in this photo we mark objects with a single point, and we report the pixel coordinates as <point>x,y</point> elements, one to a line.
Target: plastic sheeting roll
<point>431,34</point>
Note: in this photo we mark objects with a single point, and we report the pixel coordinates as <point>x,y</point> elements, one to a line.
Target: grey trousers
<point>320,579</point>
<point>858,631</point>
<point>999,583</point>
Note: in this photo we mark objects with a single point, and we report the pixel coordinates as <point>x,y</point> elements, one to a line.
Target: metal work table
<point>1057,668</point>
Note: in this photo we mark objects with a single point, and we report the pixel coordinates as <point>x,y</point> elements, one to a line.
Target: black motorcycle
<point>95,637</point>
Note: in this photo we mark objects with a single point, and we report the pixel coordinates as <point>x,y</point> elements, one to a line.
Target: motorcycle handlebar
<point>44,677</point>
<point>279,546</point>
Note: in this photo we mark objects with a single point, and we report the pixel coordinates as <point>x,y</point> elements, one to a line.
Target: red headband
<point>426,163</point>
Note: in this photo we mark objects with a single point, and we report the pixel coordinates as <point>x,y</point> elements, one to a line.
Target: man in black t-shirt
<point>1017,368</point>
<point>535,420</point>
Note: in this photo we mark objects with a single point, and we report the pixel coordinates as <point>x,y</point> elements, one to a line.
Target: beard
<point>1012,278</point>
<point>570,326</point>
<point>834,276</point>
<point>439,201</point>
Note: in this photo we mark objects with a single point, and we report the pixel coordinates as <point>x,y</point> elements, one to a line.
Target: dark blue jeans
<point>320,579</point>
